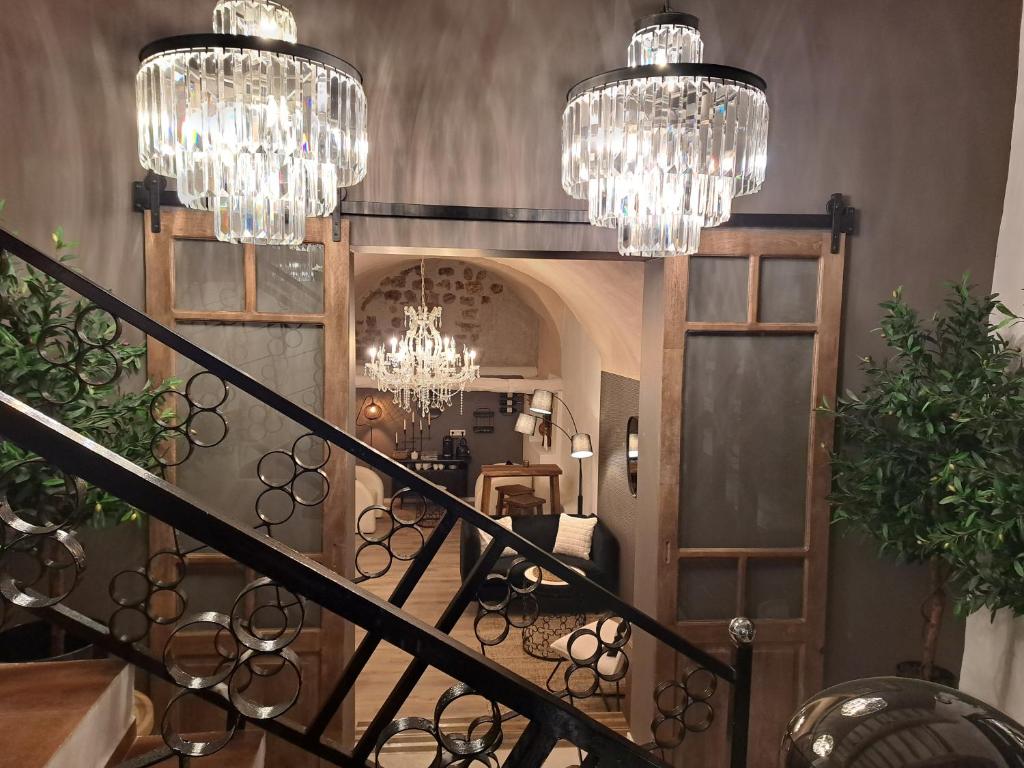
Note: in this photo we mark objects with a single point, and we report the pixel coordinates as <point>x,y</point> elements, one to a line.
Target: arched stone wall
<point>481,310</point>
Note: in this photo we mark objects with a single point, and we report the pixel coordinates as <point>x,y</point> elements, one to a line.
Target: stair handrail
<point>105,299</point>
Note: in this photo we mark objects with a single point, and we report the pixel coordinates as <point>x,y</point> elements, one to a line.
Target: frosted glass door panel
<point>209,275</point>
<point>789,291</point>
<point>718,289</point>
<point>746,412</point>
<point>285,488</point>
<point>707,589</point>
<point>290,279</point>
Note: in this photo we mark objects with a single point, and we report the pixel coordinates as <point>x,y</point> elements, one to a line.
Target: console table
<point>454,475</point>
<point>551,471</point>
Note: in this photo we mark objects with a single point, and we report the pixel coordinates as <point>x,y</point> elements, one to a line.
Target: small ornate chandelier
<point>254,127</point>
<point>660,148</point>
<point>423,370</point>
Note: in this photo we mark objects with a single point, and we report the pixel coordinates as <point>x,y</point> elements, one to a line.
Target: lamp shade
<point>581,446</point>
<point>526,424</point>
<point>373,411</point>
<point>541,401</point>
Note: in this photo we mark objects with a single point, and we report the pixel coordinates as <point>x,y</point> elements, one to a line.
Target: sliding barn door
<point>751,335</point>
<point>284,316</point>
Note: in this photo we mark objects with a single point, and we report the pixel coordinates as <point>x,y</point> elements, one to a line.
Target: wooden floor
<point>437,587</point>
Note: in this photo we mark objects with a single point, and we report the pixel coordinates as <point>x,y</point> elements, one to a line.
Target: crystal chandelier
<point>660,148</point>
<point>423,370</point>
<point>254,127</point>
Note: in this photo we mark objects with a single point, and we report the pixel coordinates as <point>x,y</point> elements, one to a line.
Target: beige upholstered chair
<point>374,485</point>
<point>364,498</point>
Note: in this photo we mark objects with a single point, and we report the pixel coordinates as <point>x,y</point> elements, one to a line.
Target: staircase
<point>543,718</point>
<point>78,714</point>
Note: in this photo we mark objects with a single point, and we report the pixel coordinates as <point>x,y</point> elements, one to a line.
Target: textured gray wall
<point>905,106</point>
<point>497,447</point>
<point>616,506</point>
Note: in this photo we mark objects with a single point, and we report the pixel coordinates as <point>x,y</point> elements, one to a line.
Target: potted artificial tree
<point>930,455</point>
<point>44,363</point>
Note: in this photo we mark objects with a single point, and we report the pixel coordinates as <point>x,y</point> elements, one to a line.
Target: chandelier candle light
<point>660,148</point>
<point>423,370</point>
<point>252,126</point>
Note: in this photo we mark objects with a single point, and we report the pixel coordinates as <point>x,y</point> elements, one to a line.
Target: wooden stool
<point>509,491</point>
<point>524,504</point>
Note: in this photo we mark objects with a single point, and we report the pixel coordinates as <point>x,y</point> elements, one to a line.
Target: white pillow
<point>486,538</point>
<point>574,536</point>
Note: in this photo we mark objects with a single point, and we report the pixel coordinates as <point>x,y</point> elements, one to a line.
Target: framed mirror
<point>632,452</point>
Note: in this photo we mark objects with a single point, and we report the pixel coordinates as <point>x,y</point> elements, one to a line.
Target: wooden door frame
<point>665,416</point>
<point>333,640</point>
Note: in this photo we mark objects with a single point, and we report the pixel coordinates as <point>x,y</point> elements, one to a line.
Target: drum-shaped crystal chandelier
<point>660,148</point>
<point>423,370</point>
<point>254,127</point>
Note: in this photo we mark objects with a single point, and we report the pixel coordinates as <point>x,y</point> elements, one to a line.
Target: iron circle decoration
<point>181,676</point>
<point>683,707</point>
<point>705,679</point>
<point>592,681</point>
<point>195,747</point>
<point>130,588</point>
<point>51,390</point>
<point>176,565</point>
<point>83,319</point>
<point>129,624</point>
<point>298,451</point>
<point>396,528</point>
<point>64,546</point>
<point>497,638</point>
<point>267,473</point>
<point>499,593</point>
<point>469,746</point>
<point>73,345</point>
<point>405,725</point>
<point>249,664</point>
<point>63,509</point>
<point>183,423</point>
<point>369,546</point>
<point>57,344</point>
<point>169,596</point>
<point>528,611</point>
<point>265,504</point>
<point>94,359</point>
<point>319,496</point>
<point>193,384</point>
<point>243,619</point>
<point>194,426</point>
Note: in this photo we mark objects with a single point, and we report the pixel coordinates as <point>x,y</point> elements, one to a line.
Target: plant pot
<point>940,675</point>
<point>31,642</point>
<point>993,667</point>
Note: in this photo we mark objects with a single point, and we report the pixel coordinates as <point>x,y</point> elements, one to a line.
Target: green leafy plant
<point>37,328</point>
<point>930,455</point>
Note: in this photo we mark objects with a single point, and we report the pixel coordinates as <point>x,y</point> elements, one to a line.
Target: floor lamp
<point>580,447</point>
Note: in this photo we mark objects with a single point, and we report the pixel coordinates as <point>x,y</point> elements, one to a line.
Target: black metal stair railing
<point>304,578</point>
<point>682,705</point>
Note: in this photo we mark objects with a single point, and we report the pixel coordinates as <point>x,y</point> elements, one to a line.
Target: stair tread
<point>43,703</point>
<point>243,751</point>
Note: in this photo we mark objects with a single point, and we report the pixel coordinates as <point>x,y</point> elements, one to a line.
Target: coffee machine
<point>448,447</point>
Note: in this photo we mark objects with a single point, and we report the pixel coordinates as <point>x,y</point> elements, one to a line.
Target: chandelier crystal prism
<point>660,148</point>
<point>252,126</point>
<point>423,371</point>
